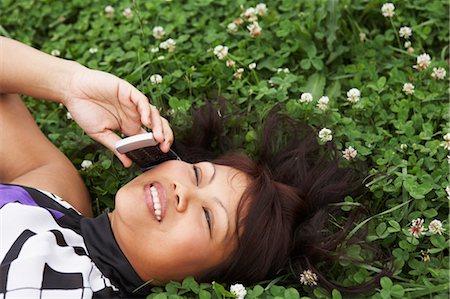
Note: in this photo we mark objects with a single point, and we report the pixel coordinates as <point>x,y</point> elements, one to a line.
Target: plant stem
<point>396,33</point>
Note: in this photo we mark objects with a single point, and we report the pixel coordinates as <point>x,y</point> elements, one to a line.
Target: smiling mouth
<point>156,202</point>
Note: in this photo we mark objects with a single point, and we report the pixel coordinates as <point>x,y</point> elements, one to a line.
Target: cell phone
<point>144,150</point>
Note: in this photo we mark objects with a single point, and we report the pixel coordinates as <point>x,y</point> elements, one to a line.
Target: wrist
<point>68,72</point>
<point>31,72</point>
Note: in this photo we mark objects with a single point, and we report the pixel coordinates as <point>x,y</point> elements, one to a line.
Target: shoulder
<point>28,196</point>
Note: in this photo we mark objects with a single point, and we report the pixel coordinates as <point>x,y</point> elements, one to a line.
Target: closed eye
<point>208,218</point>
<point>198,174</point>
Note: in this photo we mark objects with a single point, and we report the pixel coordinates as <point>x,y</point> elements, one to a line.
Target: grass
<point>320,47</point>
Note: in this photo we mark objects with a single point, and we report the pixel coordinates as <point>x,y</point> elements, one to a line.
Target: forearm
<point>27,71</point>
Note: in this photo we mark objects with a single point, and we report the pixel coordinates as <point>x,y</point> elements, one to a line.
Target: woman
<point>230,219</point>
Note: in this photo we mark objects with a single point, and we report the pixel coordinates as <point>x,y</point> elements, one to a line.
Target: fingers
<point>109,140</point>
<point>156,124</point>
<point>150,118</point>
<point>168,136</point>
<point>143,107</point>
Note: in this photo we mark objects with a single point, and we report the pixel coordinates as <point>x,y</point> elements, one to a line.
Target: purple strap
<point>10,194</point>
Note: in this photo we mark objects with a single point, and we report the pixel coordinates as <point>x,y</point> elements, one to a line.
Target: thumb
<point>109,140</point>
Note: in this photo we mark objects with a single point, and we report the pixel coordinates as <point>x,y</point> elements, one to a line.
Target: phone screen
<point>150,156</point>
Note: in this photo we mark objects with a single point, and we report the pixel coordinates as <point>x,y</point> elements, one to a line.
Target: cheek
<point>131,209</point>
<point>185,242</point>
<point>194,253</point>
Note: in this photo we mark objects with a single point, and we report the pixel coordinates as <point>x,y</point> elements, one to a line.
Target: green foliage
<point>321,47</point>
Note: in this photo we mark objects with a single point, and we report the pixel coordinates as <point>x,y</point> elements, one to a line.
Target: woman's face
<point>178,219</point>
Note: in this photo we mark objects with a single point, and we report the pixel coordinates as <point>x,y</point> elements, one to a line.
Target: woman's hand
<point>99,102</point>
<point>102,103</point>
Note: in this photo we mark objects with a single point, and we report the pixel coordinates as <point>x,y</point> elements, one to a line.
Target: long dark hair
<point>294,182</point>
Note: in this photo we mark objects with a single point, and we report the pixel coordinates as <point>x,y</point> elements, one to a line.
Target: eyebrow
<point>220,203</point>
<point>214,173</point>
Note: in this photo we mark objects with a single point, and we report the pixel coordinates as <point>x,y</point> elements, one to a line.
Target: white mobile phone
<point>134,142</point>
<point>144,150</point>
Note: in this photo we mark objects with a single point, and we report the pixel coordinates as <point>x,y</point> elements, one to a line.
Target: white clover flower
<point>353,95</point>
<point>403,147</point>
<point>446,143</point>
<point>154,50</point>
<point>109,10</point>
<point>325,135</point>
<point>238,290</point>
<point>168,44</point>
<point>283,70</point>
<point>155,79</point>
<point>55,52</point>
<point>238,22</point>
<point>127,13</point>
<point>448,160</point>
<point>250,14</point>
<point>86,164</point>
<point>171,111</point>
<point>252,65</point>
<point>255,29</point>
<point>220,51</point>
<point>362,37</point>
<point>417,228</point>
<point>388,10</point>
<point>322,104</point>
<point>306,97</point>
<point>435,227</point>
<point>162,57</point>
<point>438,73</point>
<point>425,255</point>
<point>232,28</point>
<point>93,50</point>
<point>447,189</point>
<point>349,153</point>
<point>407,44</point>
<point>238,74</point>
<point>308,278</point>
<point>261,9</point>
<point>423,61</point>
<point>410,50</point>
<point>230,63</point>
<point>408,88</point>
<point>68,115</point>
<point>405,32</point>
<point>158,32</point>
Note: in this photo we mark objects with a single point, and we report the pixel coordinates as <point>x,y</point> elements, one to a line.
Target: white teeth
<point>156,202</point>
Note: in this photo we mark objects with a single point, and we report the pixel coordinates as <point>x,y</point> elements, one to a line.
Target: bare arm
<point>28,158</point>
<point>25,70</point>
<point>99,102</point>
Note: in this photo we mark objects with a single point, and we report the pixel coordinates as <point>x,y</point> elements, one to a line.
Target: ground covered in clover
<point>369,75</point>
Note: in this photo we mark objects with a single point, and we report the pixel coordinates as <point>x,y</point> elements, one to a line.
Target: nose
<point>183,195</point>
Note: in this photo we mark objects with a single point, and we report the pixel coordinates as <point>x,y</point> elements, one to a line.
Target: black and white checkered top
<point>48,250</point>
